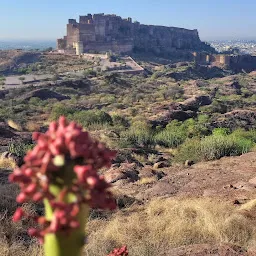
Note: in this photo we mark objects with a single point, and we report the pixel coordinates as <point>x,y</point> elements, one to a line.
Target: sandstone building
<point>103,33</point>
<point>236,63</point>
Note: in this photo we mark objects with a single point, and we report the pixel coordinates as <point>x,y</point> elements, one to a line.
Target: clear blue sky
<point>47,19</point>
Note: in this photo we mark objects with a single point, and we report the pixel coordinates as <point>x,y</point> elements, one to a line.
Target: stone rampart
<point>101,32</point>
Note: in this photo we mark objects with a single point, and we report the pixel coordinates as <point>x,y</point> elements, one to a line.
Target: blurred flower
<point>62,169</point>
<point>119,251</point>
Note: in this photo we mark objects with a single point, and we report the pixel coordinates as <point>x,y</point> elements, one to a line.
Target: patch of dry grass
<point>172,223</point>
<point>14,240</point>
<point>19,249</point>
<point>6,163</point>
<point>31,126</point>
<point>14,125</point>
<point>147,180</point>
<point>149,230</point>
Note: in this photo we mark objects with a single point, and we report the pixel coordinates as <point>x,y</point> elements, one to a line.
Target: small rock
<point>229,186</point>
<point>160,159</point>
<point>161,165</point>
<point>236,202</point>
<point>189,163</point>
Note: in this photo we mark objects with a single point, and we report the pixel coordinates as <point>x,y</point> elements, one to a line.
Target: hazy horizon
<point>46,20</point>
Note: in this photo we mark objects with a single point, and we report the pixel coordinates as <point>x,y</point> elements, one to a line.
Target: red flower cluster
<point>66,157</point>
<point>123,251</point>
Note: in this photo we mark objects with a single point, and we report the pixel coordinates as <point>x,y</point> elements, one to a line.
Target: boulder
<point>149,172</point>
<point>189,163</point>
<point>181,115</point>
<point>160,165</point>
<point>195,102</point>
<point>175,112</point>
<point>126,172</point>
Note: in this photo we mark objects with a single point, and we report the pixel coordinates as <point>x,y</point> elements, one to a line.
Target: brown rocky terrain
<point>230,178</point>
<point>166,205</point>
<point>12,59</point>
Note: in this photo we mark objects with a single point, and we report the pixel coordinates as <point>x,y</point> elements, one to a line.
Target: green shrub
<point>189,150</point>
<point>139,134</point>
<point>220,131</point>
<point>89,117</point>
<point>169,138</point>
<point>156,75</point>
<point>250,135</point>
<point>213,147</point>
<point>136,138</point>
<point>216,146</point>
<point>61,110</point>
<point>18,148</point>
<point>35,101</point>
<point>120,120</point>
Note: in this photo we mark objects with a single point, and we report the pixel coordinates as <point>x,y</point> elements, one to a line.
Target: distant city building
<point>243,46</point>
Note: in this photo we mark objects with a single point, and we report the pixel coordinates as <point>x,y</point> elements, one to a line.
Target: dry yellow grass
<point>152,230</point>
<point>14,125</point>
<point>147,180</point>
<point>172,223</point>
<point>32,126</point>
<point>19,249</point>
<point>6,163</point>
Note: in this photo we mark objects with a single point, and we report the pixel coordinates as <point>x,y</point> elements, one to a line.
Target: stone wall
<point>163,39</point>
<point>236,63</point>
<point>110,32</point>
<point>116,46</point>
<point>72,35</point>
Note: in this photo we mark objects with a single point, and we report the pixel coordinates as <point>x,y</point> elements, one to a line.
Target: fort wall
<point>102,32</point>
<point>235,62</point>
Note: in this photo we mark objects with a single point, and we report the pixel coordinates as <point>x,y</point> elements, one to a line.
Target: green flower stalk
<point>61,171</point>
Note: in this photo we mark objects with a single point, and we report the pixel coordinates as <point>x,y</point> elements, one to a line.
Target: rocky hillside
<point>184,176</point>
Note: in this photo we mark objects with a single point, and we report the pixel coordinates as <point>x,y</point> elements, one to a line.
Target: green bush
<point>220,131</point>
<point>169,138</point>
<point>189,150</point>
<point>139,134</point>
<point>216,146</point>
<point>18,148</point>
<point>120,121</point>
<point>250,135</point>
<point>213,147</point>
<point>90,117</point>
<point>61,110</point>
<point>136,138</point>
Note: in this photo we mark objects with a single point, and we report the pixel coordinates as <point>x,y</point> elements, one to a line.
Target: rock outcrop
<point>44,94</point>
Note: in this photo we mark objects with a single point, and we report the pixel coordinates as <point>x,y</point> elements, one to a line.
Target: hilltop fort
<point>101,33</point>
